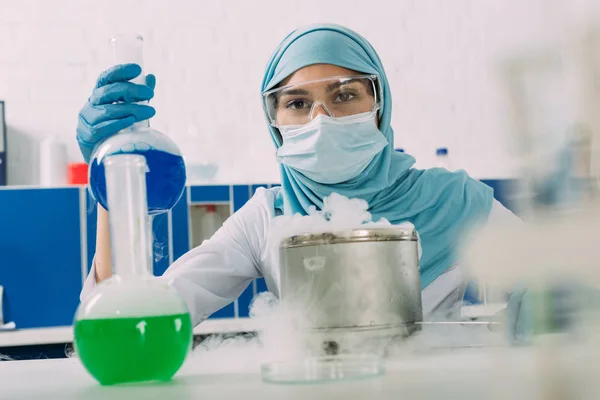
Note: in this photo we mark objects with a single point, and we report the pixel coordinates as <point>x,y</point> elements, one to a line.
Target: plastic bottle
<point>166,177</point>
<point>53,162</point>
<point>77,173</point>
<point>134,327</point>
<point>210,223</point>
<point>442,158</point>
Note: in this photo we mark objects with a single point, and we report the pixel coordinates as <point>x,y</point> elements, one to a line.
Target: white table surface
<point>64,334</point>
<point>482,373</point>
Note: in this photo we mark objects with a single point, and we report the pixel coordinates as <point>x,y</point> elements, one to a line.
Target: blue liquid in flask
<point>165,180</point>
<point>165,176</point>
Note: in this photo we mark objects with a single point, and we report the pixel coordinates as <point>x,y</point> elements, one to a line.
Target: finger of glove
<point>118,73</point>
<point>122,91</point>
<point>109,128</point>
<point>151,81</point>
<point>89,136</point>
<point>84,134</point>
<point>95,115</point>
<point>86,152</point>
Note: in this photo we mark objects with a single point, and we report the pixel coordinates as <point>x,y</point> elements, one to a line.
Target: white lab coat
<point>215,273</point>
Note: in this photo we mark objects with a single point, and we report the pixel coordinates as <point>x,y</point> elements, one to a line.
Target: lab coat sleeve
<point>446,293</point>
<point>210,276</point>
<point>500,215</point>
<point>214,274</point>
<point>90,283</point>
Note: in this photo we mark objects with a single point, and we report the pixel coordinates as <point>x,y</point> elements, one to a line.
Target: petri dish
<point>323,369</point>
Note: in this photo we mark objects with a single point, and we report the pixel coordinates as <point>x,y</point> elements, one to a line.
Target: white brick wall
<point>209,57</point>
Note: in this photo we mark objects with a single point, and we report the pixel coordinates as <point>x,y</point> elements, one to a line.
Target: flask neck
<point>126,192</point>
<point>140,125</point>
<point>129,49</point>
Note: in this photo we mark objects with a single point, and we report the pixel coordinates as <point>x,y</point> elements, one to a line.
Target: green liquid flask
<point>134,327</point>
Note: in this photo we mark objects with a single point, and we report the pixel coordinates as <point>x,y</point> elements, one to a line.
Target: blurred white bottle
<point>210,222</point>
<point>53,162</point>
<point>442,160</point>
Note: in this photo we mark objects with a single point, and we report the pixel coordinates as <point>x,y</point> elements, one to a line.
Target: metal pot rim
<point>393,234</point>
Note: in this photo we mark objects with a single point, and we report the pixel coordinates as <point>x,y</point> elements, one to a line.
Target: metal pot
<point>356,281</point>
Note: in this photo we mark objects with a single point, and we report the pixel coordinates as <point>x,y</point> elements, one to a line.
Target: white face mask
<point>332,150</point>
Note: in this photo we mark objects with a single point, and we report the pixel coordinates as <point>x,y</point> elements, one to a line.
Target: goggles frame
<point>374,78</point>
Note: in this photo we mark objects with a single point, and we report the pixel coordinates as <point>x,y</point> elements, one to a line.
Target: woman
<point>328,105</point>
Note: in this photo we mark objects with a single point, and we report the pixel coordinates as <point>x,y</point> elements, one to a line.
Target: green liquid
<point>119,350</point>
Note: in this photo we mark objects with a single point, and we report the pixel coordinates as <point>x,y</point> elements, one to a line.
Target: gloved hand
<point>519,317</point>
<point>109,108</point>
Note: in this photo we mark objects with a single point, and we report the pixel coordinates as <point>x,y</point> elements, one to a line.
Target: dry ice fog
<point>281,332</point>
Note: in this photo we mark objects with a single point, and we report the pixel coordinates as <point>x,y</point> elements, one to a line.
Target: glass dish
<point>323,369</point>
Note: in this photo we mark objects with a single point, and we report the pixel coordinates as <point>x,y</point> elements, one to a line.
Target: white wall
<point>441,57</point>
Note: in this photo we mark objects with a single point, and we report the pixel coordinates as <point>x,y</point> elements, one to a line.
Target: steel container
<point>357,281</point>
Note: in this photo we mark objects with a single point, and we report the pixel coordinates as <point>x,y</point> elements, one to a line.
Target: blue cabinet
<point>41,251</point>
<point>48,239</point>
<point>3,157</point>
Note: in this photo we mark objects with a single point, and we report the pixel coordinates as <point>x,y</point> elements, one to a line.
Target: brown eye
<point>343,97</point>
<point>296,105</point>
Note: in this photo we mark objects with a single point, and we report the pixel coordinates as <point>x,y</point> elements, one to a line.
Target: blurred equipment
<point>553,136</point>
<point>3,157</point>
<point>53,162</point>
<point>557,194</point>
<point>590,56</point>
<point>550,263</point>
<point>134,327</point>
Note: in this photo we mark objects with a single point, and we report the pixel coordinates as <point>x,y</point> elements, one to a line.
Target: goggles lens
<point>338,97</point>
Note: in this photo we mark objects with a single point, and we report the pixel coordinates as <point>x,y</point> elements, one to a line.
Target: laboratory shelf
<point>64,334</point>
<point>57,342</point>
<point>210,194</point>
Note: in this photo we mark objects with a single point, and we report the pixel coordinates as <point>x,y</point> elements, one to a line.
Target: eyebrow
<point>331,87</point>
<point>335,85</point>
<point>293,92</point>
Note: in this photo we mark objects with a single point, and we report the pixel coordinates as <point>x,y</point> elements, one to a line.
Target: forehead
<point>314,72</point>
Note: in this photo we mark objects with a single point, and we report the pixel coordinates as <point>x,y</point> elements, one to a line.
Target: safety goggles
<point>339,96</point>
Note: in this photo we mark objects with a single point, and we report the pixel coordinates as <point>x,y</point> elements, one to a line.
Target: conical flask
<point>166,177</point>
<point>134,327</point>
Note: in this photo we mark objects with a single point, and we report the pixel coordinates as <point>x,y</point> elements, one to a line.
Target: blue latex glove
<point>519,317</point>
<point>109,108</point>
